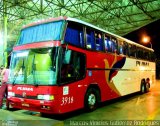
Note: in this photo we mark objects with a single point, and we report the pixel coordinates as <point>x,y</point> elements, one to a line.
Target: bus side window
<point>142,54</point>
<point>90,41</point>
<point>99,41</point>
<point>120,47</point>
<point>113,44</point>
<point>139,53</point>
<point>132,50</point>
<point>152,56</point>
<point>146,55</point>
<point>110,44</point>
<point>126,50</point>
<point>74,34</point>
<point>81,39</point>
<point>106,43</point>
<point>73,68</point>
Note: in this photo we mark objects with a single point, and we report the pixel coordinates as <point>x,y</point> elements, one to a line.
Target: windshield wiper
<point>15,77</point>
<point>33,71</point>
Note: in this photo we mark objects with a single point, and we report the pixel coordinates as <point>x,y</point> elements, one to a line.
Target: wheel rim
<point>143,89</point>
<point>91,100</point>
<point>147,87</point>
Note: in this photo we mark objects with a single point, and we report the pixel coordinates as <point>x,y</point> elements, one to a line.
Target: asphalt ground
<point>135,109</point>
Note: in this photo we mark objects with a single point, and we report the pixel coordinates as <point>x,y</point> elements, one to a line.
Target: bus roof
<point>43,21</point>
<point>84,23</point>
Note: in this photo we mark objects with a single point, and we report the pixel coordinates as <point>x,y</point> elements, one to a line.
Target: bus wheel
<point>143,87</point>
<point>91,99</point>
<point>147,87</point>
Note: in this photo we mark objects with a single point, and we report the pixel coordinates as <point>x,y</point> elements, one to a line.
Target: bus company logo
<point>24,89</point>
<point>24,95</point>
<point>142,63</point>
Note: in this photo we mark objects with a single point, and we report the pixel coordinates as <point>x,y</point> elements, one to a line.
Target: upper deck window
<point>42,32</point>
<point>99,41</point>
<point>110,44</point>
<point>74,34</point>
<point>90,40</point>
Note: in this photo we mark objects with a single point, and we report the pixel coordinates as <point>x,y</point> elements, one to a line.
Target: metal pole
<point>4,33</point>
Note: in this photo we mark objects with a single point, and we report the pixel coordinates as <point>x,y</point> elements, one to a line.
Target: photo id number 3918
<point>67,100</point>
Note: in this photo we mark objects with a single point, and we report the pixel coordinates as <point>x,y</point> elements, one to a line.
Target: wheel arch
<point>92,88</point>
<point>95,86</point>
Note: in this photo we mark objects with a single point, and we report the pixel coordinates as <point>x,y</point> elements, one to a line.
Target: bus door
<point>72,80</point>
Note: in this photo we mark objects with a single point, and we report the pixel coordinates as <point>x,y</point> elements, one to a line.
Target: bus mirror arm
<point>67,47</point>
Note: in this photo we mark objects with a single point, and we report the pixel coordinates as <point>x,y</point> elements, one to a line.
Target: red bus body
<point>100,70</point>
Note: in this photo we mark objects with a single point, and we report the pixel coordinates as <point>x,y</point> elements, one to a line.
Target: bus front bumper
<point>33,105</point>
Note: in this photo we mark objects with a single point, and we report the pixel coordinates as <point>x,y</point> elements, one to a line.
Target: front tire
<point>91,99</point>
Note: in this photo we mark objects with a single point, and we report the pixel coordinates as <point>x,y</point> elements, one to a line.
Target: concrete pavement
<point>135,107</point>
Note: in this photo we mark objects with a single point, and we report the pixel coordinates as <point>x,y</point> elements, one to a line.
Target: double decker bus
<point>64,64</point>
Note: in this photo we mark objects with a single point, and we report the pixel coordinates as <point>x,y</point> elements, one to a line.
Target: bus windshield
<point>34,66</point>
<point>40,33</point>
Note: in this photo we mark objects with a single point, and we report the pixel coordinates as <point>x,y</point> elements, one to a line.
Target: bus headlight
<point>45,97</point>
<point>12,94</point>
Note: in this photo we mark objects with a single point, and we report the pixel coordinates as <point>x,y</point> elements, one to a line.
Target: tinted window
<point>99,41</point>
<point>110,44</point>
<point>121,47</point>
<point>126,49</point>
<point>90,40</point>
<point>132,50</point>
<point>74,34</point>
<point>40,33</point>
<point>140,53</point>
<point>73,66</point>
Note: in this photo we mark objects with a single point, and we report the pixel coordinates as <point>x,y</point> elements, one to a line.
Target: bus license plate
<point>26,105</point>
